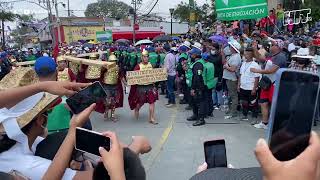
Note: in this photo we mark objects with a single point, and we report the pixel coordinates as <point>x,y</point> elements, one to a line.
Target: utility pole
<point>50,22</point>
<point>69,14</point>
<point>171,14</point>
<point>58,22</point>
<point>135,2</point>
<point>3,37</point>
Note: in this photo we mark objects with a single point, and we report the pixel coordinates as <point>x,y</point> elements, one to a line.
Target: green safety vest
<point>208,74</point>
<point>162,57</point>
<point>183,55</point>
<point>153,58</point>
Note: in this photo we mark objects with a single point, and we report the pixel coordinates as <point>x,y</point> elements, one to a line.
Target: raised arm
<point>11,97</point>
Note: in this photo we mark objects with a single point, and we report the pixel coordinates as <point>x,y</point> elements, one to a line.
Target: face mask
<point>213,52</point>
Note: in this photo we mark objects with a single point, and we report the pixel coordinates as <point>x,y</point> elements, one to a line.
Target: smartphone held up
<point>292,113</point>
<point>84,98</point>
<point>89,141</point>
<point>215,153</point>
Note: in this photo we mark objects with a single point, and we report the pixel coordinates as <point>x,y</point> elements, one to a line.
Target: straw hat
<point>46,101</point>
<point>24,76</point>
<point>303,53</point>
<point>112,57</point>
<point>21,76</point>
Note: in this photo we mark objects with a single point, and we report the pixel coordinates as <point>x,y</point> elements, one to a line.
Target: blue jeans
<point>170,89</point>
<point>217,97</point>
<point>280,24</point>
<point>241,26</point>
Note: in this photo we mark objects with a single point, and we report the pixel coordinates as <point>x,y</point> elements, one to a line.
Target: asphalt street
<point>177,145</point>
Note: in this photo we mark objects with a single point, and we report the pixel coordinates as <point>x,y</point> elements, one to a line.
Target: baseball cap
<point>45,66</point>
<point>183,48</point>
<point>195,51</point>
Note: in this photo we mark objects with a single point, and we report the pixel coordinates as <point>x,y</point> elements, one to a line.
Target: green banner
<point>104,36</point>
<point>230,10</point>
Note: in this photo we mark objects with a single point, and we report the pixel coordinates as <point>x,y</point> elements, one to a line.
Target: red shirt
<point>263,22</point>
<point>272,20</point>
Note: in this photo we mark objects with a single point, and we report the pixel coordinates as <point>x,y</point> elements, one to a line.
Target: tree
<point>108,8</point>
<point>5,16</point>
<point>203,13</point>
<point>22,30</point>
<point>314,5</point>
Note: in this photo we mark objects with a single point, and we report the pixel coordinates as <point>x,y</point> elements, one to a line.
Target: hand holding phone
<point>292,113</point>
<point>90,141</point>
<point>215,153</point>
<point>84,98</point>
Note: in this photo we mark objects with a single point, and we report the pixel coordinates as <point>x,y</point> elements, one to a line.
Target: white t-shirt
<point>247,77</point>
<point>269,65</point>
<point>27,163</point>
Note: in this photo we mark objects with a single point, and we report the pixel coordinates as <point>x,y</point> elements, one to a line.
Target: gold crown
<point>145,53</point>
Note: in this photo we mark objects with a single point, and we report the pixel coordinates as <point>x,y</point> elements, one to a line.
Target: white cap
<point>235,45</point>
<point>197,45</point>
<point>187,44</point>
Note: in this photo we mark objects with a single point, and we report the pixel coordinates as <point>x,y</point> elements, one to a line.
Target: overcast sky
<point>80,5</point>
<point>162,8</point>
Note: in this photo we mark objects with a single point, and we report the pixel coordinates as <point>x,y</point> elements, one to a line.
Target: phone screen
<point>293,114</point>
<point>84,98</point>
<point>90,141</point>
<point>215,153</point>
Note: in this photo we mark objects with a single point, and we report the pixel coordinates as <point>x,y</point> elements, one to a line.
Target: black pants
<point>208,97</point>
<point>199,104</point>
<point>188,96</point>
<point>184,89</point>
<point>248,102</point>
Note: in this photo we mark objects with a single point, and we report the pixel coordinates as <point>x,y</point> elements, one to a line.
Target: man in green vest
<point>181,69</point>
<point>153,56</point>
<point>196,80</point>
<point>210,82</point>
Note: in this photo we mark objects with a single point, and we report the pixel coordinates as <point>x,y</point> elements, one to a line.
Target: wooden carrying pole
<point>94,53</point>
<point>26,63</point>
<point>98,62</point>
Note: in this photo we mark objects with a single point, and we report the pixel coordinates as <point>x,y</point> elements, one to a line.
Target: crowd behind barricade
<point>228,71</point>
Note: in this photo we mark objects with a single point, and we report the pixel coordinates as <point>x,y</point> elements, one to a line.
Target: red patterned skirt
<point>141,94</point>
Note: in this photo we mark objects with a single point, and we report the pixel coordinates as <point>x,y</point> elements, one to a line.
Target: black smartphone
<point>84,98</point>
<point>89,141</point>
<point>292,113</point>
<point>215,153</point>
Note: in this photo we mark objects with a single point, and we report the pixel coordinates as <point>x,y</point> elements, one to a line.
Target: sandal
<point>113,117</point>
<point>105,116</point>
<point>153,122</point>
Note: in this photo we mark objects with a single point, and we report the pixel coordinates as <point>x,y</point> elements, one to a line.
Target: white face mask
<point>213,52</point>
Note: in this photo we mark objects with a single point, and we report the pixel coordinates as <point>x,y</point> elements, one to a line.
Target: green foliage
<point>203,13</point>
<point>7,16</point>
<point>19,33</point>
<point>315,9</point>
<point>108,8</point>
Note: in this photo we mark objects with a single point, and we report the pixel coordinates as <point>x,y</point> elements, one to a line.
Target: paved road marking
<point>164,137</point>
